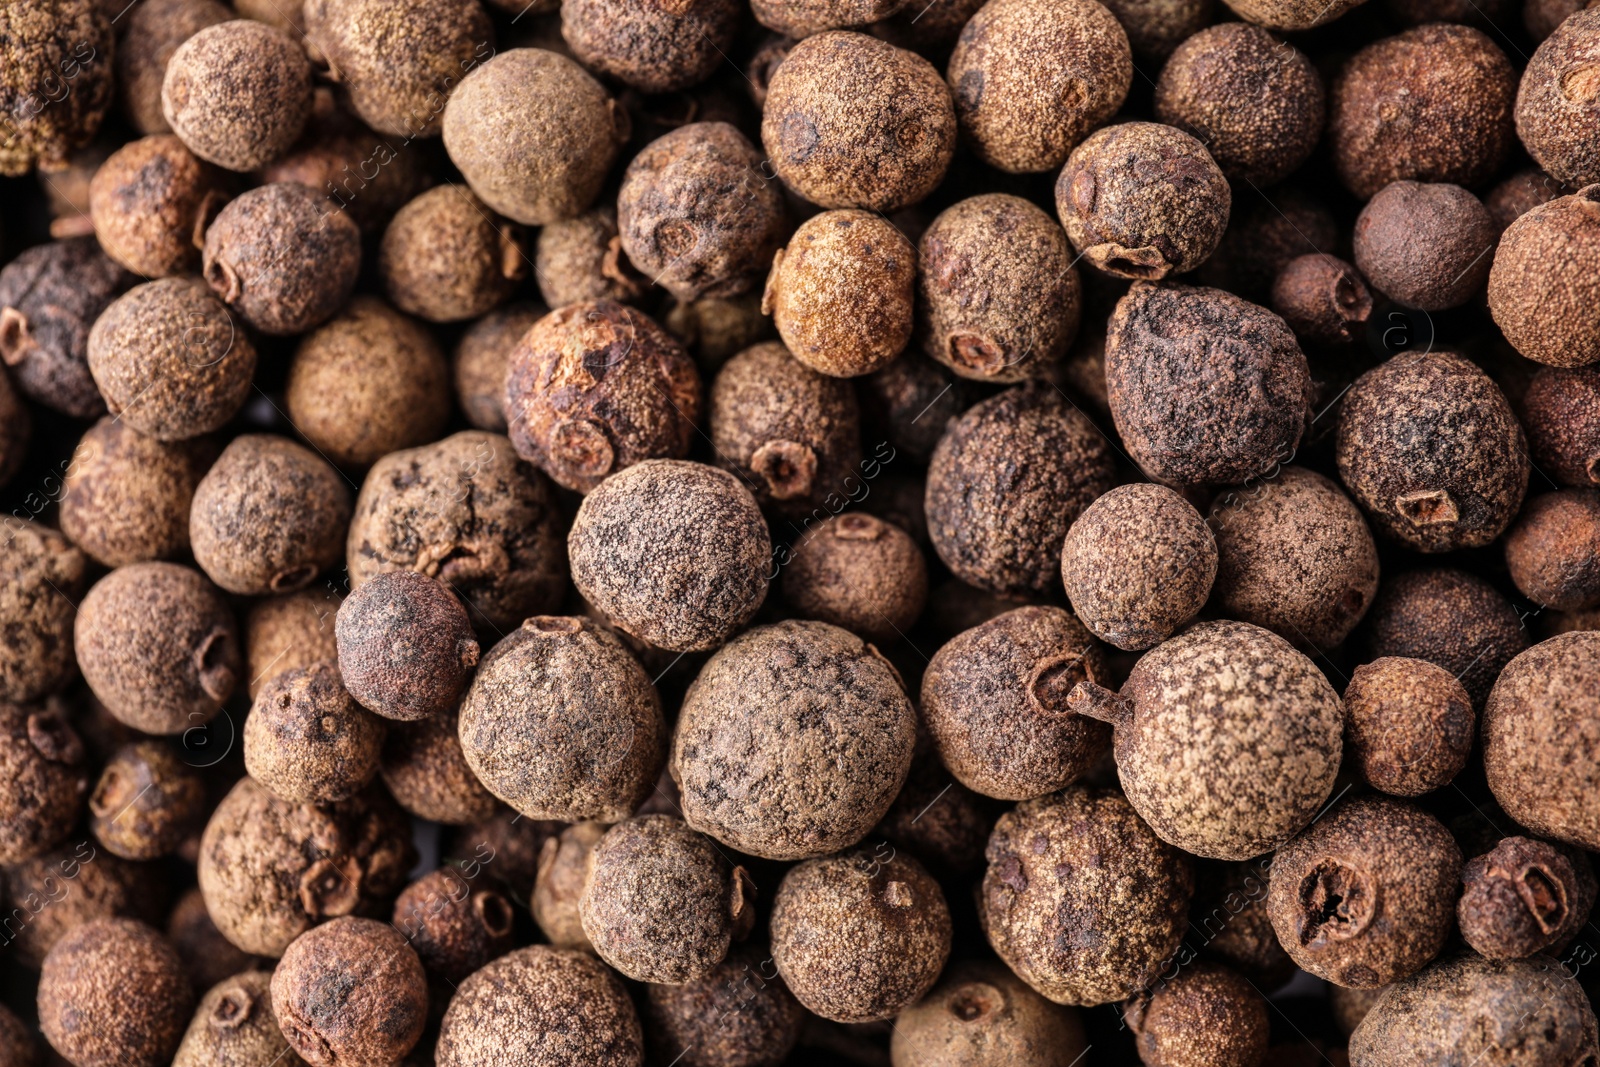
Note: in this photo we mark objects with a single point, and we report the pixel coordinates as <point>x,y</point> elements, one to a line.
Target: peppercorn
<point>541,1007</point>
<point>655,49</point>
<point>738,1015</point>
<point>17,1046</point>
<point>147,802</point>
<point>1322,299</point>
<point>16,428</point>
<point>910,401</point>
<point>1205,1016</point>
<point>1561,414</point>
<point>1425,246</point>
<point>406,647</point>
<point>860,573</point>
<point>42,757</point>
<point>238,94</point>
<point>1432,104</point>
<point>1284,15</point>
<point>1518,898</point>
<point>1350,1006</point>
<point>505,845</point>
<point>152,32</point>
<point>1229,916</point>
<point>1520,194</point>
<point>235,1026</point>
<point>125,498</point>
<point>463,510</point>
<point>581,259</point>
<point>1227,738</point>
<point>41,573</point>
<point>426,771</point>
<point>1557,116</point>
<point>563,871</point>
<point>534,135</point>
<point>151,202</point>
<point>982,1015</point>
<point>1263,236</point>
<point>1542,288</point>
<point>351,992</point>
<point>937,819</point>
<point>113,994</point>
<point>271,869</point>
<point>209,957</point>
<point>286,632</point>
<point>454,928</point>
<point>57,80</point>
<point>170,358</point>
<point>1553,550</point>
<point>675,553</point>
<point>1432,490</point>
<point>803,18</point>
<point>284,14</point>
<point>307,741</point>
<point>480,360</point>
<point>854,122</point>
<point>445,258</point>
<point>1447,617</point>
<point>860,936</point>
<point>358,171</point>
<point>1409,725</point>
<point>77,884</point>
<point>1541,17</point>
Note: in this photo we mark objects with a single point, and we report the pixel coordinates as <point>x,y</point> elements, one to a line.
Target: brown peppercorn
<point>480,359</point>
<point>1227,739</point>
<point>1156,27</point>
<point>1205,1016</point>
<point>41,573</point>
<point>655,48</point>
<point>1264,235</point>
<point>152,32</point>
<point>534,135</point>
<point>861,935</point>
<point>284,14</point>
<point>454,928</point>
<point>126,496</point>
<point>426,771</point>
<point>286,632</point>
<point>740,1014</point>
<point>1137,564</point>
<point>674,553</point>
<point>1322,299</point>
<point>1517,900</point>
<point>581,258</point>
<point>151,203</point>
<point>1350,1006</point>
<point>351,992</point>
<point>406,647</point>
<point>982,1015</point>
<point>358,171</point>
<point>1520,194</point>
<point>43,760</point>
<point>113,993</point>
<point>1543,291</point>
<point>270,870</point>
<point>1425,246</point>
<point>1229,919</point>
<point>1561,414</point>
<point>1557,114</point>
<point>209,957</point>
<point>761,773</point>
<point>1409,725</point>
<point>1143,200</point>
<point>563,871</point>
<point>147,802</point>
<point>238,94</point>
<point>1032,78</point>
<point>1432,104</point>
<point>562,723</point>
<point>57,80</point>
<point>1553,550</point>
<point>234,1026</point>
<point>1205,388</point>
<point>158,646</point>
<point>18,1048</point>
<point>446,258</point>
<point>1366,895</point>
<point>854,122</point>
<point>1284,15</point>
<point>170,358</point>
<point>860,573</point>
<point>307,741</point>
<point>541,1007</point>
<point>910,401</point>
<point>1430,489</point>
<point>1255,102</point>
<point>803,18</point>
<point>937,819</point>
<point>1447,617</point>
<point>16,428</point>
<point>466,511</point>
<point>73,885</point>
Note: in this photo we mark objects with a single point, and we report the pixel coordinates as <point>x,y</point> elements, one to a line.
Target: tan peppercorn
<point>147,802</point>
<point>57,81</point>
<point>446,258</point>
<point>284,14</point>
<point>454,928</point>
<point>1517,899</point>
<point>286,632</point>
<point>479,362</point>
<point>1561,414</point>
<point>581,259</point>
<point>982,1015</point>
<point>1282,15</point>
<point>234,1026</point>
<point>351,992</point>
<point>1322,299</point>
<point>41,573</point>
<point>1447,617</point>
<point>113,993</point>
<point>563,870</point>
<point>428,775</point>
<point>209,957</point>
<point>860,573</point>
<point>238,94</point>
<point>308,741</point>
<point>151,202</point>
<point>43,759</point>
<point>1558,117</point>
<point>1543,291</point>
<point>126,496</point>
<point>150,34</point>
<point>1553,550</point>
<point>1409,725</point>
<point>655,48</point>
<point>802,18</point>
<point>739,1015</point>
<point>1206,1016</point>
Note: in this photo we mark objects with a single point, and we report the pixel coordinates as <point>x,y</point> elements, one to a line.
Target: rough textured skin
<point>1229,920</point>
<point>1156,27</point>
<point>1520,194</point>
<point>171,359</point>
<point>1541,17</point>
<point>151,202</point>
<point>594,388</point>
<point>1544,713</point>
<point>1205,388</point>
<point>1558,101</point>
<point>1518,899</point>
<point>910,402</point>
<point>859,936</point>
<point>534,135</point>
<point>57,80</point>
<point>270,870</point>
<point>1431,104</point>
<point>478,364</point>
<point>19,1049</point>
<point>466,511</point>
<point>563,871</point>
<point>739,1015</point>
<point>1561,414</point>
<point>802,18</point>
<point>1000,297</point>
<point>562,723</point>
<point>1290,14</point>
<point>1137,564</point>
<point>1451,618</point>
<point>454,928</point>
<point>1255,102</point>
<point>1350,1006</point>
<point>1080,899</point>
<point>937,819</point>
<point>113,994</point>
<point>674,553</point>
<point>1143,200</point>
<point>43,760</point>
<point>150,34</point>
<point>16,427</point>
<point>238,94</point>
<point>1227,739</point>
<point>581,259</point>
<point>351,993</point>
<point>792,742</point>
<point>1471,1010</point>
<point>397,60</point>
<point>1409,725</point>
<point>1322,299</point>
<point>1007,480</point>
<point>426,771</point>
<point>1032,78</point>
<point>406,646</point>
<point>513,841</point>
<point>282,633</point>
<point>1430,449</point>
<point>147,801</point>
<point>982,1015</point>
<point>41,574</point>
<point>541,1007</point>
<point>307,741</point>
<point>126,496</point>
<point>209,957</point>
<point>1553,551</point>
<point>234,1026</point>
<point>653,47</point>
<point>284,14</point>
<point>1543,288</point>
<point>50,296</point>
<point>159,647</point>
<point>858,572</point>
<point>1366,895</point>
<point>359,172</point>
<point>791,434</point>
<point>446,258</point>
<point>854,122</point>
<point>71,885</point>
<point>1425,246</point>
<point>1264,235</point>
<point>842,292</point>
<point>1206,1016</point>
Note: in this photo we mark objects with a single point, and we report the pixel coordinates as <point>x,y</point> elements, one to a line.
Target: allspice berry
<point>1450,618</point>
<point>1322,298</point>
<point>1284,15</point>
<point>1553,550</point>
<point>41,573</point>
<point>581,258</point>
<point>1205,1016</point>
<point>285,632</point>
<point>81,885</point>
<point>860,573</point>
<point>1229,914</point>
<point>57,81</point>
<point>16,428</point>
<point>43,758</point>
<point>1089,846</point>
<point>910,402</point>
<point>802,18</point>
<point>152,32</point>
<point>446,258</point>
<point>1137,564</point>
<point>151,202</point>
<point>358,171</point>
<point>841,292</point>
<point>1542,288</point>
<point>1557,114</point>
<point>1366,895</point>
<point>126,496</point>
<point>427,773</point>
<point>860,936</point>
<point>1143,200</point>
<point>854,122</point>
<point>1227,739</point>
<point>454,928</point>
<point>1431,489</point>
<point>1032,78</point>
<point>1518,899</point>
<point>1409,725</point>
<point>739,1015</point>
<point>147,802</point>
<point>351,992</point>
<point>238,94</point>
<point>406,647</point>
<point>563,872</point>
<point>1156,27</point>
<point>159,647</point>
<point>1264,235</point>
<point>761,773</point>
<point>982,1015</point>
<point>209,957</point>
<point>654,48</point>
<point>308,741</point>
<point>234,1026</point>
<point>18,1047</point>
<point>113,993</point>
<point>1561,414</point>
<point>1425,246</point>
<point>478,364</point>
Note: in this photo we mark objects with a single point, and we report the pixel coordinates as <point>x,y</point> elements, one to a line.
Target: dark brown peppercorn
<point>238,94</point>
<point>1561,413</point>
<point>1553,550</point>
<point>480,359</point>
<point>738,1015</point>
<point>1518,898</point>
<point>151,202</point>
<point>152,32</point>
<point>113,993</point>
<point>1322,298</point>
<point>858,572</point>
<point>454,928</point>
<point>563,870</point>
<point>581,259</point>
<point>1409,725</point>
<point>234,1026</point>
<point>17,1045</point>
<point>1447,617</point>
<point>80,885</point>
<point>910,402</point>
<point>406,647</point>
<point>308,741</point>
<point>1425,246</point>
<point>446,258</point>
<point>351,992</point>
<point>1206,1016</point>
<point>1229,919</point>
<point>802,18</point>
<point>1156,27</point>
<point>41,574</point>
<point>936,818</point>
<point>209,957</point>
<point>282,633</point>
<point>1350,1006</point>
<point>426,771</point>
<point>147,802</point>
<point>43,760</point>
<point>1264,235</point>
<point>656,48</point>
<point>1543,291</point>
<point>57,80</point>
<point>982,1015</point>
<point>1558,113</point>
<point>1520,194</point>
<point>359,172</point>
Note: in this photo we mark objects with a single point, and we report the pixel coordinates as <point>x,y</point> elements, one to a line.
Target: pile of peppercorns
<point>931,533</point>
